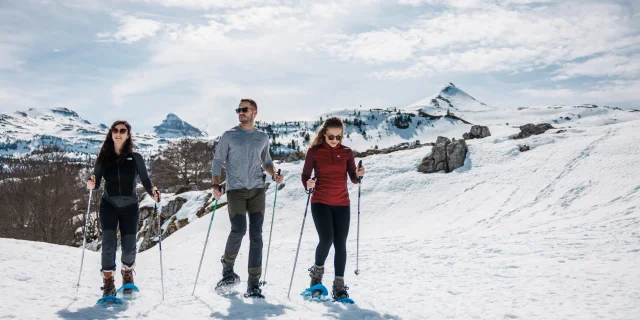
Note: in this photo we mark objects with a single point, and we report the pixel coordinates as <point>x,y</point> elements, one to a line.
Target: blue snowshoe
<point>316,292</point>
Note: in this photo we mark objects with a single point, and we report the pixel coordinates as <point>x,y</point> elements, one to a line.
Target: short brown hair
<point>250,101</point>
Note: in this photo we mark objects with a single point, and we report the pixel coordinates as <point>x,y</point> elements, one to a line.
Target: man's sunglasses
<point>243,110</point>
<point>121,130</point>
<point>331,137</point>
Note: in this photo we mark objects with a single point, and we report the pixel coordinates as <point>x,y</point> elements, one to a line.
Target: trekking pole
<point>357,272</point>
<point>299,240</point>
<point>271,232</point>
<point>155,211</point>
<point>215,206</point>
<point>84,234</point>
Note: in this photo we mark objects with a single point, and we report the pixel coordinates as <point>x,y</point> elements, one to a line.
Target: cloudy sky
<point>141,59</point>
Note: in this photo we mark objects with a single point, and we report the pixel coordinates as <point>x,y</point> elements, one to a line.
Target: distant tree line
<point>43,196</point>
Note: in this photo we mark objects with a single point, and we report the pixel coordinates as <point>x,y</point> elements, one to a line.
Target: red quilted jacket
<point>331,167</point>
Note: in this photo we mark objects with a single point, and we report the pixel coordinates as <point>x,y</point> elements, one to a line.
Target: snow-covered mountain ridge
<point>450,113</point>
<point>24,131</point>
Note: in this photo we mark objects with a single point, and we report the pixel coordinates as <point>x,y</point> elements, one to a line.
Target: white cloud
<point>448,3</point>
<point>206,4</point>
<point>258,18</point>
<point>131,29</point>
<point>609,65</point>
<point>616,91</point>
<point>471,3</point>
<point>12,97</point>
<point>493,38</point>
<point>608,92</point>
<point>549,93</point>
<point>376,46</point>
<point>269,40</point>
<point>13,49</point>
<point>10,56</point>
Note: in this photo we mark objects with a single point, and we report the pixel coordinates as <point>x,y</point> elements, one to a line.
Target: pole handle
<point>310,191</point>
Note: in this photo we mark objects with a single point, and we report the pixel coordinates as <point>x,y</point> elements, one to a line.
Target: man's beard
<point>246,119</point>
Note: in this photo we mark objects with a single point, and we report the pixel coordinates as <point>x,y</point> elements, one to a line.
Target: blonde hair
<point>332,122</point>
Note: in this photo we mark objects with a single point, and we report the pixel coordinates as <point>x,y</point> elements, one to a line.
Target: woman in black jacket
<point>119,166</point>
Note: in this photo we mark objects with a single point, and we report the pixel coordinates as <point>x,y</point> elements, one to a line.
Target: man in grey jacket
<point>244,151</point>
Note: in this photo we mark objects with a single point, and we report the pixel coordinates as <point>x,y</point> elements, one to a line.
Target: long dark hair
<point>107,155</point>
<point>332,122</point>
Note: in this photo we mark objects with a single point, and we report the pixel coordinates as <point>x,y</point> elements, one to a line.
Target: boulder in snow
<point>446,155</point>
<point>477,132</point>
<point>532,129</point>
<point>298,155</point>
<point>456,154</point>
<point>443,140</point>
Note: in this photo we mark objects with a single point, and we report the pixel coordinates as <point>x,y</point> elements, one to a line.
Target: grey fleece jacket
<point>242,153</point>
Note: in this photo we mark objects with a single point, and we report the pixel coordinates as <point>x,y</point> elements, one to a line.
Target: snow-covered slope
<point>384,128</point>
<point>22,132</point>
<point>551,233</point>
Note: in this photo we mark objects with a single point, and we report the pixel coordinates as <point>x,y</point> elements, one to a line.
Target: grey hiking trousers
<point>241,203</point>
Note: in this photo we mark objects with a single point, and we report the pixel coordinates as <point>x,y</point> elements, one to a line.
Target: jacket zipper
<point>331,152</point>
<point>119,187</point>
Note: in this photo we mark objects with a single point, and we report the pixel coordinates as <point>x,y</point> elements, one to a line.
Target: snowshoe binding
<point>253,288</point>
<point>229,278</point>
<point>340,293</point>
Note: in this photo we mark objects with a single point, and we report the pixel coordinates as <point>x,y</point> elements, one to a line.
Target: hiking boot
<point>227,270</point>
<point>316,274</point>
<point>253,288</point>
<point>127,277</point>
<point>339,290</point>
<point>229,277</point>
<point>108,284</point>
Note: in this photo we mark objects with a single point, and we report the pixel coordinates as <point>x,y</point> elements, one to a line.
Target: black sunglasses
<point>243,110</point>
<point>121,130</point>
<point>331,137</point>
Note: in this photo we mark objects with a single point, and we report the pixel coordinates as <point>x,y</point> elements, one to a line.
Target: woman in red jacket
<point>330,206</point>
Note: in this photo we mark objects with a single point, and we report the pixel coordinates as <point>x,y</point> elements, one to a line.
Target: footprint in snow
<point>22,277</point>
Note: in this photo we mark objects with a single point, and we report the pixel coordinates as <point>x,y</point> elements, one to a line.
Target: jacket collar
<point>327,146</point>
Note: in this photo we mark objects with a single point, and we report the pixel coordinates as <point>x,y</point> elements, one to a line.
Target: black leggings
<point>332,224</point>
